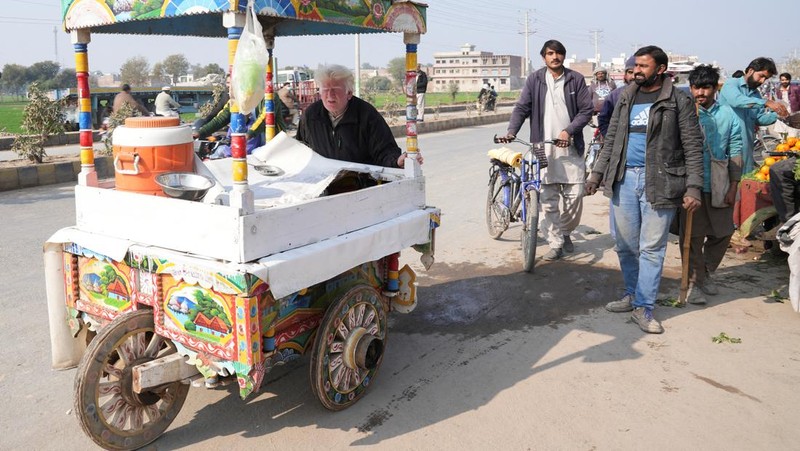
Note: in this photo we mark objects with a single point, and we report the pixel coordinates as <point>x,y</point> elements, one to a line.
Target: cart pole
<point>412,168</point>
<point>687,241</point>
<point>80,42</point>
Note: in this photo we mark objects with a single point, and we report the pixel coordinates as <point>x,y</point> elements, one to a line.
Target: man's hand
<point>563,139</point>
<point>730,196</point>
<point>592,183</point>
<point>401,160</point>
<point>690,203</point>
<point>777,107</point>
<point>509,137</point>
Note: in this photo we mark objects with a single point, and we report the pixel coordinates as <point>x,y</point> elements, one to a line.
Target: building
<point>470,69</point>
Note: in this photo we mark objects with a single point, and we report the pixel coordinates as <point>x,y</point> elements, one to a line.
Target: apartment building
<point>470,69</point>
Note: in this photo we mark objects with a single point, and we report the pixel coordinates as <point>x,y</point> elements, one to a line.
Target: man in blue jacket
<point>559,105</point>
<point>742,95</point>
<point>652,163</point>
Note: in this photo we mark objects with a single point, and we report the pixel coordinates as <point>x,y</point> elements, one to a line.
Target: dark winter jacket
<point>422,82</point>
<point>674,152</point>
<point>361,136</point>
<point>531,105</point>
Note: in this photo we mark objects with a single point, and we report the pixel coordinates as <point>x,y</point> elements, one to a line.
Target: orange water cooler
<point>148,146</point>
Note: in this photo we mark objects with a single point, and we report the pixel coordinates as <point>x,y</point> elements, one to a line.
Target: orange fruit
<point>761,177</point>
<point>769,161</point>
<point>791,141</point>
<point>764,170</point>
<point>782,147</point>
<point>796,146</point>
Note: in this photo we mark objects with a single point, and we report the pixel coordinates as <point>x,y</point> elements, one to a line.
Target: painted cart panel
<point>202,17</point>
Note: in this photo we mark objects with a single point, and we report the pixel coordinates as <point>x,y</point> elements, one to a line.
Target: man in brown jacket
<point>124,97</point>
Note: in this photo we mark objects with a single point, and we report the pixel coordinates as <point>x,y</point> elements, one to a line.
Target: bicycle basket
<point>538,152</point>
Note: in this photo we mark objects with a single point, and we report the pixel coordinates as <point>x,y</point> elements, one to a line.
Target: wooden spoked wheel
<point>109,411</point>
<point>348,349</point>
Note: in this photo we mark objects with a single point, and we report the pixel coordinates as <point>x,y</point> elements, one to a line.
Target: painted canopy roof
<point>204,17</point>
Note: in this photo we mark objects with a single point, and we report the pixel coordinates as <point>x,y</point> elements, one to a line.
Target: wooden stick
<point>687,241</point>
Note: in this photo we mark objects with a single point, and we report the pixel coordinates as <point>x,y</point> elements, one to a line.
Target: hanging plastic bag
<point>250,65</point>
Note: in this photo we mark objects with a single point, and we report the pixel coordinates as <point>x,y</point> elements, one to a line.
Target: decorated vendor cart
<point>270,261</point>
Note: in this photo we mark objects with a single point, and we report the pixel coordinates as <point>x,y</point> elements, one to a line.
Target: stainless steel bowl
<point>184,185</point>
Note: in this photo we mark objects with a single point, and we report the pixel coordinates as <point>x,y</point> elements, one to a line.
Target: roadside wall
<point>50,173</point>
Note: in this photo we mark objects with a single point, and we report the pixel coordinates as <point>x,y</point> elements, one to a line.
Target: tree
<point>452,88</point>
<point>367,66</point>
<point>175,66</point>
<point>41,118</point>
<point>198,71</point>
<point>14,79</point>
<point>397,70</point>
<point>379,83</point>
<point>135,71</point>
<point>214,68</point>
<point>159,75</point>
<point>43,72</point>
<point>65,79</point>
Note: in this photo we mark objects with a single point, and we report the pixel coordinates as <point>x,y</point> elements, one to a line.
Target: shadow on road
<point>470,319</point>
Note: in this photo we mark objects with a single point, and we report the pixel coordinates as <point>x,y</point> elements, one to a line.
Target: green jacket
<point>223,119</point>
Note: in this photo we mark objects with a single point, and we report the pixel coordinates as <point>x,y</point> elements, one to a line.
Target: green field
<point>11,110</point>
<point>11,116</point>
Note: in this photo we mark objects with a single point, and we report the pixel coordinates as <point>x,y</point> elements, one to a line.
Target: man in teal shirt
<point>722,154</point>
<point>742,95</point>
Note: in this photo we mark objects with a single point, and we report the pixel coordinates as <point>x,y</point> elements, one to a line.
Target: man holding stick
<point>652,163</point>
<point>722,168</point>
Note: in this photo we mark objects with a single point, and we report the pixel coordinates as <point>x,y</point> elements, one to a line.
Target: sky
<point>729,33</point>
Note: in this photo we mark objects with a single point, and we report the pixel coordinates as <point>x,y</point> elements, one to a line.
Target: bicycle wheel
<point>530,229</point>
<point>498,216</point>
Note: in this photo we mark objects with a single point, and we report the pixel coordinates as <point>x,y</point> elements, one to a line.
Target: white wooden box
<point>220,232</point>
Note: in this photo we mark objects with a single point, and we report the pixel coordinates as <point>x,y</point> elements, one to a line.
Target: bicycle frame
<point>516,184</point>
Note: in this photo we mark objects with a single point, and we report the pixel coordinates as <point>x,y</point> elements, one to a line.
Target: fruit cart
<point>265,263</point>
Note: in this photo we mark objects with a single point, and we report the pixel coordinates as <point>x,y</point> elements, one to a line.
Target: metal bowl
<point>184,185</point>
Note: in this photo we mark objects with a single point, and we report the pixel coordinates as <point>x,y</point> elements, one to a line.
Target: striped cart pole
<point>80,42</point>
<point>412,168</point>
<point>269,93</point>
<point>241,196</point>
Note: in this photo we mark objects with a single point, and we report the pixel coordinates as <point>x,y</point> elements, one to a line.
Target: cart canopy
<point>203,18</point>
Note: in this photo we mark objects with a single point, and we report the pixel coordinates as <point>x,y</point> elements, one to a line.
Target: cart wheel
<point>110,412</point>
<point>348,349</point>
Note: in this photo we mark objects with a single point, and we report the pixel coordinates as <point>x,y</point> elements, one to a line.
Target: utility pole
<point>55,39</point>
<point>596,38</point>
<point>528,32</point>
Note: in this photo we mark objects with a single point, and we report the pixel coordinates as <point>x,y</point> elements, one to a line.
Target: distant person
<point>422,88</point>
<point>651,163</point>
<point>722,168</point>
<point>742,95</point>
<point>289,101</point>
<point>558,105</point>
<point>221,103</point>
<point>125,97</point>
<point>604,116</point>
<point>788,94</point>
<point>343,127</point>
<point>601,87</point>
<point>165,104</point>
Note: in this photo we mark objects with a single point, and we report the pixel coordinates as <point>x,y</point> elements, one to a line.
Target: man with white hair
<point>165,104</point>
<point>344,127</point>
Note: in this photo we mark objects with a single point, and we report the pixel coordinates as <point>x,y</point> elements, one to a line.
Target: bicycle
<point>763,144</point>
<point>593,149</point>
<point>514,195</point>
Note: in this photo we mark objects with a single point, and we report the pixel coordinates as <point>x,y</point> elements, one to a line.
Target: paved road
<point>492,358</point>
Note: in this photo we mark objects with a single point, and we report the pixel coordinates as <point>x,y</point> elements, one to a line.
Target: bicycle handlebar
<point>504,140</point>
